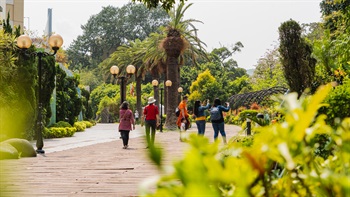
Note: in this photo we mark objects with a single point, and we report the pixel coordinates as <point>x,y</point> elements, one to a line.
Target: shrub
<point>338,105</point>
<point>61,124</point>
<point>58,132</point>
<point>87,124</point>
<point>80,126</point>
<point>248,168</point>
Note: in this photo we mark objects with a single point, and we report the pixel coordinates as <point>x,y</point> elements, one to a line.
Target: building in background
<point>16,10</point>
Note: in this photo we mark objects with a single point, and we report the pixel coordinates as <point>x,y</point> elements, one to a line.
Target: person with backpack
<point>199,109</point>
<point>126,123</point>
<point>217,119</point>
<point>151,119</point>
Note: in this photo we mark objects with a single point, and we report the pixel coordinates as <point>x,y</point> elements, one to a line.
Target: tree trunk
<point>172,94</point>
<point>138,95</point>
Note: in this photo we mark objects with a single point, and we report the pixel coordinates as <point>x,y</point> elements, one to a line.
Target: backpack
<point>215,113</point>
<point>177,112</point>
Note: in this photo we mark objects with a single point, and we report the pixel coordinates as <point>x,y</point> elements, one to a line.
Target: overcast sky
<point>253,22</point>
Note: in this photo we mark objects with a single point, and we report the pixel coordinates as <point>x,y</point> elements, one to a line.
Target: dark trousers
<point>125,136</point>
<point>150,126</point>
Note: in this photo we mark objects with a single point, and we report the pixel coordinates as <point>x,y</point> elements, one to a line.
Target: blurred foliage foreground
<point>281,160</point>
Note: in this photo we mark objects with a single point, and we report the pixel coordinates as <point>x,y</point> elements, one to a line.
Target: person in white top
<point>136,115</point>
<point>182,130</point>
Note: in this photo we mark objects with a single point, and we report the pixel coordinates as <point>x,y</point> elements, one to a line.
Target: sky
<point>253,22</point>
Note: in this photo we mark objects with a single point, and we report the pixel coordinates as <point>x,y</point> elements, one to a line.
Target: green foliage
<point>58,132</point>
<point>204,87</point>
<point>298,65</point>
<point>61,124</point>
<point>103,90</point>
<point>268,72</point>
<point>247,166</point>
<point>101,37</point>
<point>86,104</point>
<point>87,124</point>
<point>68,104</point>
<point>47,85</point>
<point>80,126</point>
<point>17,85</point>
<point>165,4</point>
<point>337,104</point>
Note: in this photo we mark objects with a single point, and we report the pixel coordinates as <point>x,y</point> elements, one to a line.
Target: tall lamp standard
<point>130,70</point>
<point>55,42</point>
<point>180,90</point>
<point>155,85</point>
<point>168,83</point>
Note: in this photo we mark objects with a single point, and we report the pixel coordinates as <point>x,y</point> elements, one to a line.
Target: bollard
<point>249,126</point>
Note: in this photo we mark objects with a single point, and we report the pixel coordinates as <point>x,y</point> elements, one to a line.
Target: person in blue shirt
<point>199,112</point>
<point>219,124</point>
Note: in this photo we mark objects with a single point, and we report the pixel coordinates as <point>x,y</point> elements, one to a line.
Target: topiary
<point>7,151</point>
<point>24,147</point>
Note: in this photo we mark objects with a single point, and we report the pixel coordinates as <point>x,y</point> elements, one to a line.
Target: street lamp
<point>130,70</point>
<point>168,83</point>
<point>155,85</point>
<point>180,91</point>
<point>55,42</point>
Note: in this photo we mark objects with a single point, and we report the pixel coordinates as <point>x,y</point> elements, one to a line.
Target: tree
<point>68,104</point>
<point>334,15</point>
<point>268,72</point>
<point>204,87</point>
<point>181,35</point>
<point>17,90</point>
<point>166,4</point>
<point>111,28</point>
<point>298,65</point>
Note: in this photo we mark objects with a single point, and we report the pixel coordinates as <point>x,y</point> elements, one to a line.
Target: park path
<point>92,163</point>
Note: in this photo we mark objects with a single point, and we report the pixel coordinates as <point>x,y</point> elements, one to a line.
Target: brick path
<point>92,163</point>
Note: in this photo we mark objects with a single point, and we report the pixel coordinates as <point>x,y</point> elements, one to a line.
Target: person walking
<point>136,116</point>
<point>151,119</point>
<point>217,119</point>
<point>183,114</point>
<point>126,123</point>
<point>199,112</point>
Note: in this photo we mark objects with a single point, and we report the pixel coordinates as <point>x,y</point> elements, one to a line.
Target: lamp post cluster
<point>155,83</point>
<point>130,70</point>
<point>55,42</point>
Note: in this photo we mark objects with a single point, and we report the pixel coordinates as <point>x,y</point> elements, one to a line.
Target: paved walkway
<point>92,163</point>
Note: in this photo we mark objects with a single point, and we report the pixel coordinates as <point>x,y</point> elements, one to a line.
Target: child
<point>182,129</point>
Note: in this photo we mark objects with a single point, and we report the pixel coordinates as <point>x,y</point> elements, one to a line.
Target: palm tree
<point>181,38</point>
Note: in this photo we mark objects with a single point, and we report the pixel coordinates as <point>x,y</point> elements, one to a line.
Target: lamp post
<point>168,84</point>
<point>155,85</point>
<point>180,91</point>
<point>130,70</point>
<point>55,42</point>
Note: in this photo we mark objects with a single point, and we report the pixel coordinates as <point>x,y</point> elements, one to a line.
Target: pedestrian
<point>136,116</point>
<point>199,112</point>
<point>217,119</point>
<point>151,120</point>
<point>183,130</point>
<point>126,123</point>
<point>183,114</point>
